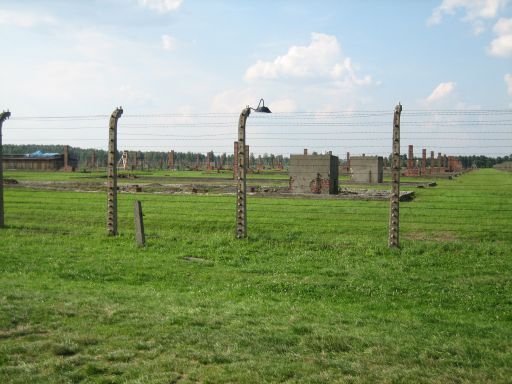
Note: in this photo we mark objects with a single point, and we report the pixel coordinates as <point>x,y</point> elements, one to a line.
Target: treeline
<point>482,161</point>
<point>88,158</point>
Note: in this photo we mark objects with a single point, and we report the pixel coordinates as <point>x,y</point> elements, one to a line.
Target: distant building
<point>40,161</point>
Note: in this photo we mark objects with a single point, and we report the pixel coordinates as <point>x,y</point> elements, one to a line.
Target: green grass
<point>100,175</point>
<point>313,296</point>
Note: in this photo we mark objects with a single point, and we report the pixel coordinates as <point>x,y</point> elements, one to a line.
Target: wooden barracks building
<point>39,161</point>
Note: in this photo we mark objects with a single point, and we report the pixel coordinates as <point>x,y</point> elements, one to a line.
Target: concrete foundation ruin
<point>367,169</point>
<point>314,174</point>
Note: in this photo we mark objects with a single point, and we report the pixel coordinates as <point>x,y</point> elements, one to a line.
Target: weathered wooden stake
<point>241,195</point>
<point>139,224</point>
<point>3,116</point>
<point>394,215</point>
<point>112,173</point>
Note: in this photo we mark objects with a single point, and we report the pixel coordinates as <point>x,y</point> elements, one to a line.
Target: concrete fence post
<point>3,116</point>
<point>140,238</point>
<point>394,214</point>
<point>235,160</point>
<point>241,194</point>
<point>112,173</point>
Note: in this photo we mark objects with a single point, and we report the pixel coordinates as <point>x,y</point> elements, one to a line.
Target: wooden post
<point>139,224</point>
<point>3,116</point>
<point>112,173</point>
<point>241,195</point>
<point>394,214</point>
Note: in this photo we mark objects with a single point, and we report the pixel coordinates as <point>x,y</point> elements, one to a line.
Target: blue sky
<point>67,57</point>
<point>170,56</point>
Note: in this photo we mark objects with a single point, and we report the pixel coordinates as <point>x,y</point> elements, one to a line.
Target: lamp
<point>261,108</point>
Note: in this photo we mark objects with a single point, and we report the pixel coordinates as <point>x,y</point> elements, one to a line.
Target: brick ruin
<point>170,160</point>
<point>443,164</point>
<point>67,167</point>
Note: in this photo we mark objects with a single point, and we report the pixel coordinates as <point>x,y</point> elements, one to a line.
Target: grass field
<point>313,296</point>
<point>100,175</point>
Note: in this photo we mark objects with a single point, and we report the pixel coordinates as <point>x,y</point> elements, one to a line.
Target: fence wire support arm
<point>241,192</point>
<point>394,214</point>
<point>3,116</point>
<point>112,173</point>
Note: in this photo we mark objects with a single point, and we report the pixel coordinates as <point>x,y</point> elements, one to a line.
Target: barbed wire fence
<point>185,169</point>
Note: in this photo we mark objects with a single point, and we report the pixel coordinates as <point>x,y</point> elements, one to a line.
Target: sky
<point>68,58</point>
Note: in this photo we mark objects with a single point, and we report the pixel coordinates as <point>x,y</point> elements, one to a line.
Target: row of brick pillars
<point>208,161</point>
<point>443,164</point>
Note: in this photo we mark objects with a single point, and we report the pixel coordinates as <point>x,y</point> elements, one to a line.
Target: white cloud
<point>168,42</point>
<point>128,95</point>
<point>284,105</point>
<point>321,59</point>
<point>234,100</point>
<point>316,59</point>
<point>441,91</point>
<point>315,76</point>
<point>474,9</point>
<point>478,27</point>
<point>508,82</point>
<point>503,27</point>
<point>93,44</point>
<point>161,6</point>
<point>24,19</point>
<point>501,46</point>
